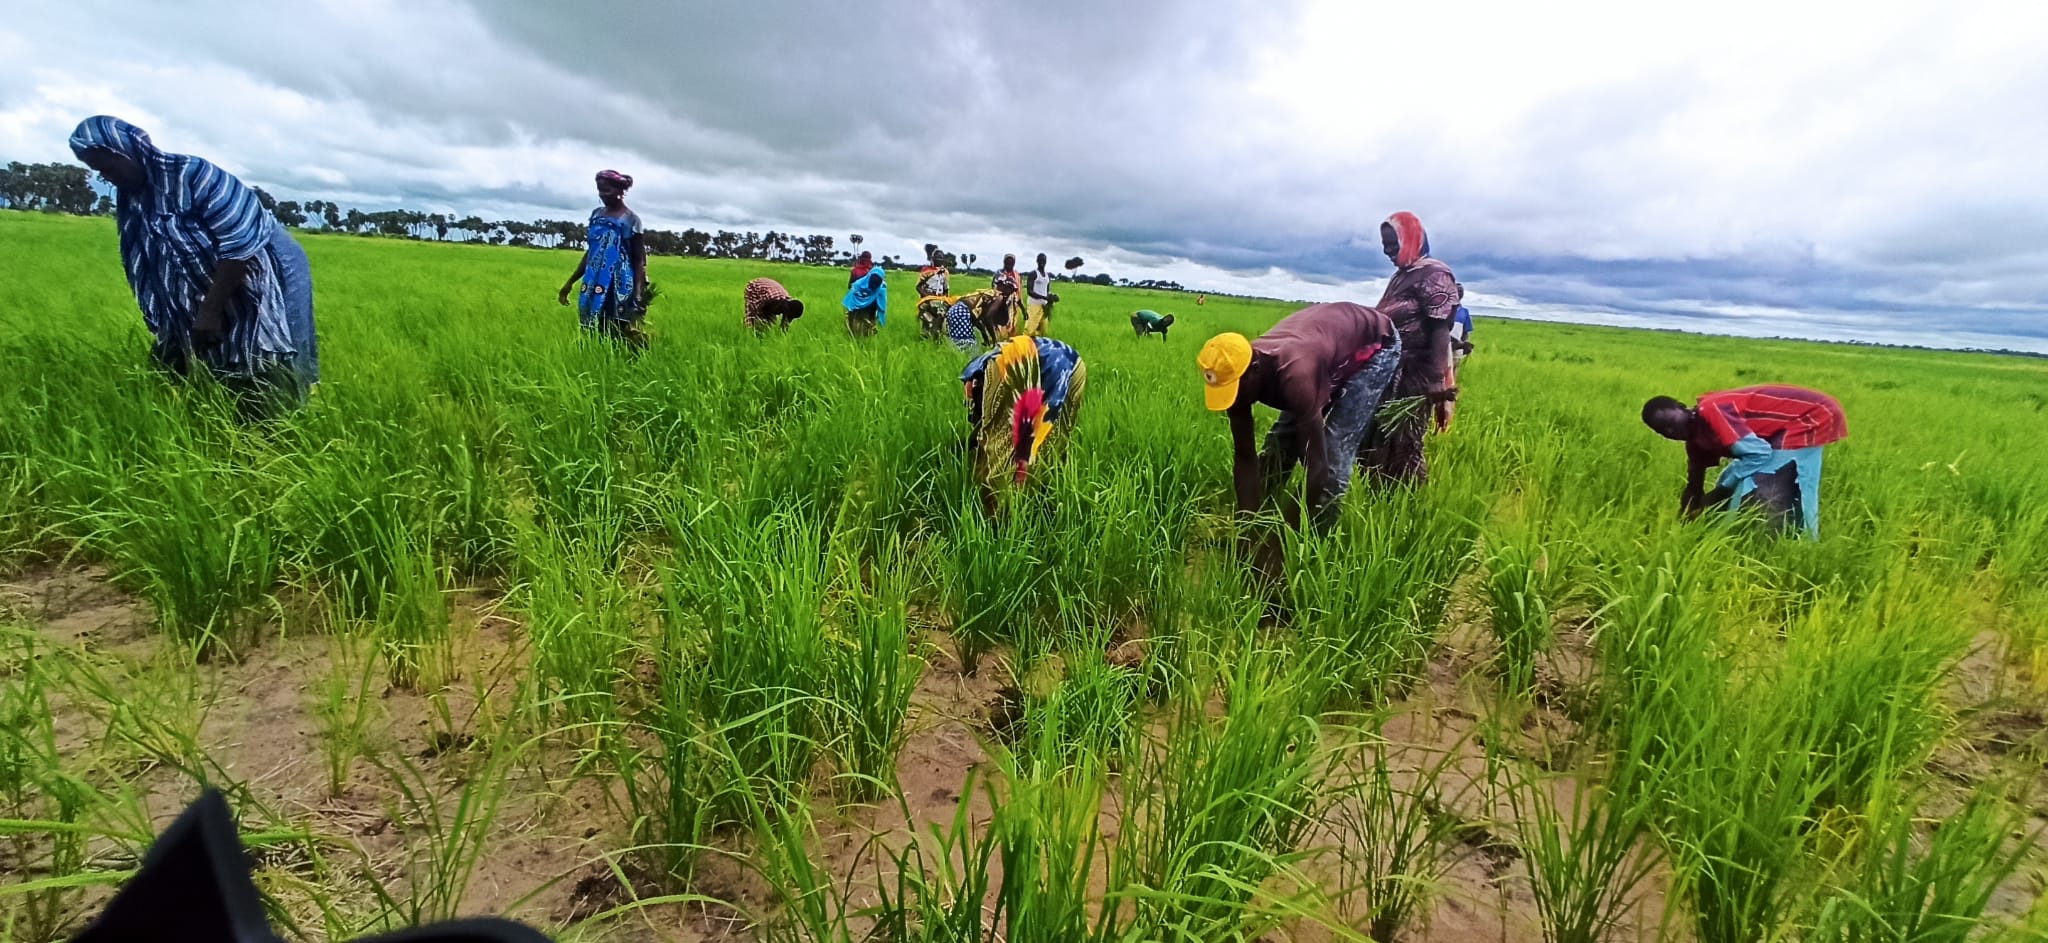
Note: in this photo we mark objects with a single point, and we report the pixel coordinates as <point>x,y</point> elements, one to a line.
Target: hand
<point>206,328</point>
<point>1444,410</point>
<point>564,296</point>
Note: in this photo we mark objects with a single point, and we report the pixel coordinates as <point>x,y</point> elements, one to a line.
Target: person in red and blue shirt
<point>1771,437</point>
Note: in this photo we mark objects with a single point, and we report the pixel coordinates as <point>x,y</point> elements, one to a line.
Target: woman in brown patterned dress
<point>1422,298</point>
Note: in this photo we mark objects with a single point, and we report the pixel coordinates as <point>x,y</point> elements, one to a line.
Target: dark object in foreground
<point>194,887</point>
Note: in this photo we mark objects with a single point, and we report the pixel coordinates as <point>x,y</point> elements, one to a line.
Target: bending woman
<point>614,267</point>
<point>217,278</point>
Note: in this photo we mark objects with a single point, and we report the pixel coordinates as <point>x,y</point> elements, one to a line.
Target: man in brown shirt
<point>1326,368</point>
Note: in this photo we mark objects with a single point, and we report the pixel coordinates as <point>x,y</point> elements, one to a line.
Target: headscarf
<point>862,264</point>
<point>871,289</point>
<point>1412,241</point>
<point>624,182</point>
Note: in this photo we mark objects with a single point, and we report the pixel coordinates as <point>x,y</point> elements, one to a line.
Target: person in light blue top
<point>1461,335</point>
<point>219,282</point>
<point>613,269</point>
<point>867,302</point>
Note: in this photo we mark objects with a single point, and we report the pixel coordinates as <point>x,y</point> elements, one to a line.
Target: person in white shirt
<point>1039,299</point>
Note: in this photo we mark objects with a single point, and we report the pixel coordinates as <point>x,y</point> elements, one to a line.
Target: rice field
<point>718,643</point>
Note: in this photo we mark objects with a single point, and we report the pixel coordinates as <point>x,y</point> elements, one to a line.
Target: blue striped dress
<point>175,229</point>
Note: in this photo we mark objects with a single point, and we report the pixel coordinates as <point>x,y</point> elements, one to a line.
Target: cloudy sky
<point>1868,171</point>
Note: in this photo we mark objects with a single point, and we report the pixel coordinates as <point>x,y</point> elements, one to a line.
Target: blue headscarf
<point>175,228</point>
<point>870,289</point>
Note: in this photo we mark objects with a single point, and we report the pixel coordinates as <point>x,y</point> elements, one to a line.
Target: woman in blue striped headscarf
<point>218,280</point>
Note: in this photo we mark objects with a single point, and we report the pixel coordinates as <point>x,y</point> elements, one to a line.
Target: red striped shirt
<point>1788,417</point>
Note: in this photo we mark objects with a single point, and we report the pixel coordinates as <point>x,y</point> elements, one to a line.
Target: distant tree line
<point>68,188</point>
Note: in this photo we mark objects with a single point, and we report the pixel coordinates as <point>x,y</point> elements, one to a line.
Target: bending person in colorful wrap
<point>867,300</point>
<point>218,280</point>
<point>613,268</point>
<point>1019,395</point>
<point>1771,437</point>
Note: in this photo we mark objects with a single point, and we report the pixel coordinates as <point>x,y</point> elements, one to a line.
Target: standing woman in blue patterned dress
<point>613,268</point>
<point>218,280</point>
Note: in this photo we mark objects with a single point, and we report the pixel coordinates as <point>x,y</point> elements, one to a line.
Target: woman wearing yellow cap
<point>1326,368</point>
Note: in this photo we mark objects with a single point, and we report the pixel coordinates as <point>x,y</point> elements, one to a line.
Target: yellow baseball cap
<point>1223,360</point>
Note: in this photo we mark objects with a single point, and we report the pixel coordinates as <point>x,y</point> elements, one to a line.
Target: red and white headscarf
<point>1412,241</point>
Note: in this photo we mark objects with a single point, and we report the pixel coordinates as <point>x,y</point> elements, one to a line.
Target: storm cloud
<point>1866,173</point>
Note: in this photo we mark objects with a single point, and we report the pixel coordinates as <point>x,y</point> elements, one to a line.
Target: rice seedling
<point>1220,806</point>
<point>1395,834</point>
<point>872,675</point>
<point>346,708</point>
<point>1905,878</point>
<point>1518,593</point>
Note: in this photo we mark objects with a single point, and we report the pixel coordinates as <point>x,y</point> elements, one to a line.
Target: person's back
<point>1312,348</point>
<point>1787,417</point>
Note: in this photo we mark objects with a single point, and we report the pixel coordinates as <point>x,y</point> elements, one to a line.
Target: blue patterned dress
<point>609,300</point>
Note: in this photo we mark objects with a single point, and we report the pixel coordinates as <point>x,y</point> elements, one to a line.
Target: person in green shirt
<point>1145,322</point>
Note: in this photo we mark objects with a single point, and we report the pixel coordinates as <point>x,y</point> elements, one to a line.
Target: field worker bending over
<point>1018,396</point>
<point>768,304</point>
<point>932,298</point>
<point>1772,438</point>
<point>613,269</point>
<point>1145,321</point>
<point>1326,368</point>
<point>867,297</point>
<point>218,280</point>
<point>1422,299</point>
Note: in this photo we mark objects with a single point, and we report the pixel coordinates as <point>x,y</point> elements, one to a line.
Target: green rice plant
<point>346,708</point>
<point>203,554</point>
<point>1905,878</point>
<point>1368,598</point>
<point>1220,807</point>
<point>872,674</point>
<point>1518,591</point>
<point>579,623</point>
<point>44,808</point>
<point>1086,720</point>
<point>1739,825</point>
<point>1395,835</point>
<point>1866,677</point>
<point>943,879</point>
<point>757,590</point>
<point>447,827</point>
<point>995,574</point>
<point>1587,852</point>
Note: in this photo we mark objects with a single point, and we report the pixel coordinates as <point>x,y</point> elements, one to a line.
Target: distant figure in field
<point>1422,299</point>
<point>932,298</point>
<point>1019,395</point>
<point>768,304</point>
<point>613,269</point>
<point>867,297</point>
<point>1327,368</point>
<point>1772,438</point>
<point>1461,335</point>
<point>217,278</point>
<point>1039,299</point>
<point>971,320</point>
<point>1145,321</point>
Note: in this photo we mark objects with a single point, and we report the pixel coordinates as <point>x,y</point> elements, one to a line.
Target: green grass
<point>724,574</point>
